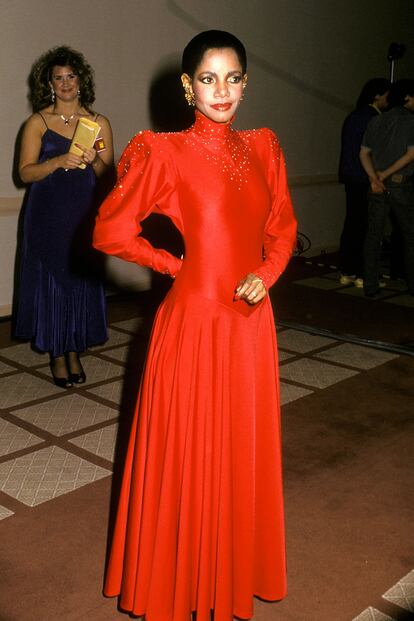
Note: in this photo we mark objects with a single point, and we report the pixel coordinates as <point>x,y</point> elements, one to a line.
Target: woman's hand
<point>251,289</point>
<point>68,161</point>
<point>89,155</point>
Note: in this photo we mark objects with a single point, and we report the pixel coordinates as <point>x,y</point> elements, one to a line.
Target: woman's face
<point>64,82</point>
<point>218,84</point>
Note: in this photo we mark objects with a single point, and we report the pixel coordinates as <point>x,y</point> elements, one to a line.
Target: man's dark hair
<point>399,91</point>
<point>376,86</point>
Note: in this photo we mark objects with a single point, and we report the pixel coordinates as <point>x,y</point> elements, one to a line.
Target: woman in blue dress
<point>61,305</point>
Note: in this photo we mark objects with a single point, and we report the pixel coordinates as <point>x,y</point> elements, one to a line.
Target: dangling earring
<point>244,86</point>
<point>52,95</point>
<point>189,95</point>
<point>79,93</point>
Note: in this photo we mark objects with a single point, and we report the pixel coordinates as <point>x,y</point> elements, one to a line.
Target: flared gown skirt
<point>200,522</point>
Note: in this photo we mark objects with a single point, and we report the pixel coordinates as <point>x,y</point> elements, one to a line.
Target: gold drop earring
<point>189,95</point>
<point>244,86</point>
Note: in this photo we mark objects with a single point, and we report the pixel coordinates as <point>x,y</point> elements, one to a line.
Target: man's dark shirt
<point>388,137</point>
<point>350,167</point>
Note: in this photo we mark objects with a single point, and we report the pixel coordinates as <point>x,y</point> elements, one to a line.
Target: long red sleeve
<point>280,229</point>
<point>144,186</point>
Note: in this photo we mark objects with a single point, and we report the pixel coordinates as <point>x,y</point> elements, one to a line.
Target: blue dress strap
<point>43,118</point>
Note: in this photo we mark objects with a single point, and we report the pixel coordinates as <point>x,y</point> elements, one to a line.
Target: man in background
<point>387,155</point>
<point>371,102</point>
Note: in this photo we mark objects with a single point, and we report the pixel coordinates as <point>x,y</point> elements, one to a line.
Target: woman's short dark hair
<point>374,87</point>
<point>399,91</point>
<point>207,40</point>
<point>41,73</point>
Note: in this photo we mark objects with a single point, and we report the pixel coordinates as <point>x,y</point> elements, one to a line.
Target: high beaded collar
<point>209,130</point>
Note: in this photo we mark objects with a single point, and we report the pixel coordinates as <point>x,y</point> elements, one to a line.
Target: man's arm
<point>397,165</point>
<point>365,156</point>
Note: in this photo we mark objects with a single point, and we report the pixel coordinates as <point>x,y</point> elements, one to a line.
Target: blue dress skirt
<point>61,302</point>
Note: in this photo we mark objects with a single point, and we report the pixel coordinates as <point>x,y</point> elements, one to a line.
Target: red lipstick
<point>221,107</point>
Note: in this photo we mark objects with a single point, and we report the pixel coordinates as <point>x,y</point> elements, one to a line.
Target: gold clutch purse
<point>86,132</point>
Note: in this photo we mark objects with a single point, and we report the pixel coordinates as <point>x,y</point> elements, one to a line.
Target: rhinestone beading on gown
<point>223,147</point>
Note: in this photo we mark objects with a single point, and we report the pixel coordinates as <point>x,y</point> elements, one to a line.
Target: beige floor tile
<point>18,389</point>
<point>120,353</point>
<point>114,338</point>
<point>4,512</point>
<point>314,373</point>
<point>302,342</point>
<point>359,293</point>
<point>14,438</point>
<point>319,283</point>
<point>100,442</point>
<point>133,325</point>
<point>24,354</point>
<point>290,393</point>
<point>284,355</point>
<point>96,370</point>
<point>111,391</point>
<point>402,300</point>
<point>396,284</point>
<point>5,368</point>
<point>333,275</point>
<point>372,614</point>
<point>353,291</point>
<point>402,593</point>
<point>46,474</point>
<point>357,356</point>
<point>66,414</point>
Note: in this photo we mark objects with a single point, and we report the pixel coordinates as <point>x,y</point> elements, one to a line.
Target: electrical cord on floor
<point>303,244</point>
<point>407,350</point>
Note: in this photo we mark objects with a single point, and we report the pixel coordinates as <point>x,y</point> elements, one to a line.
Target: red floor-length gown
<point>200,519</point>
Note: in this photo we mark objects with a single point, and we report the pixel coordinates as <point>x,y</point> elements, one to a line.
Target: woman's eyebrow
<point>234,72</point>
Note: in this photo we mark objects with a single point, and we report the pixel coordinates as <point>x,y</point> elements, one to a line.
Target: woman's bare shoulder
<point>37,122</point>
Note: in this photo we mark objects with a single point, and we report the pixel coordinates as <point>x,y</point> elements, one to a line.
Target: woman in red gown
<point>200,523</point>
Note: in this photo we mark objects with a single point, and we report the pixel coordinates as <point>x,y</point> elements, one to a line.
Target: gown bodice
<point>226,192</point>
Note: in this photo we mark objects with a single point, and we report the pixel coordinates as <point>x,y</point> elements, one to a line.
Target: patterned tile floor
<point>372,614</point>
<point>53,442</point>
<point>393,293</point>
<point>402,593</point>
<point>401,596</point>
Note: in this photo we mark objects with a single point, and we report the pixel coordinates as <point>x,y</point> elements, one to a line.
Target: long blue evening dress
<point>61,302</point>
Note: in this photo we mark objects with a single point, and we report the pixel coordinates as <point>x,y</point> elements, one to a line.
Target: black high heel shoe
<point>80,376</point>
<point>61,382</point>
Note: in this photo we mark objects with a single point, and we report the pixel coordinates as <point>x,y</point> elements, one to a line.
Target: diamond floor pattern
<point>314,373</point>
<point>100,442</point>
<point>356,356</point>
<point>18,389</point>
<point>14,438</point>
<point>46,474</point>
<point>66,414</point>
<point>40,475</point>
<point>402,594</point>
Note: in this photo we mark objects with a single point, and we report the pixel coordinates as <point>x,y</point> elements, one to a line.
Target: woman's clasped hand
<point>251,289</point>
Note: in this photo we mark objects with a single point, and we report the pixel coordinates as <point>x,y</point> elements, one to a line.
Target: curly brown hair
<point>40,74</point>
